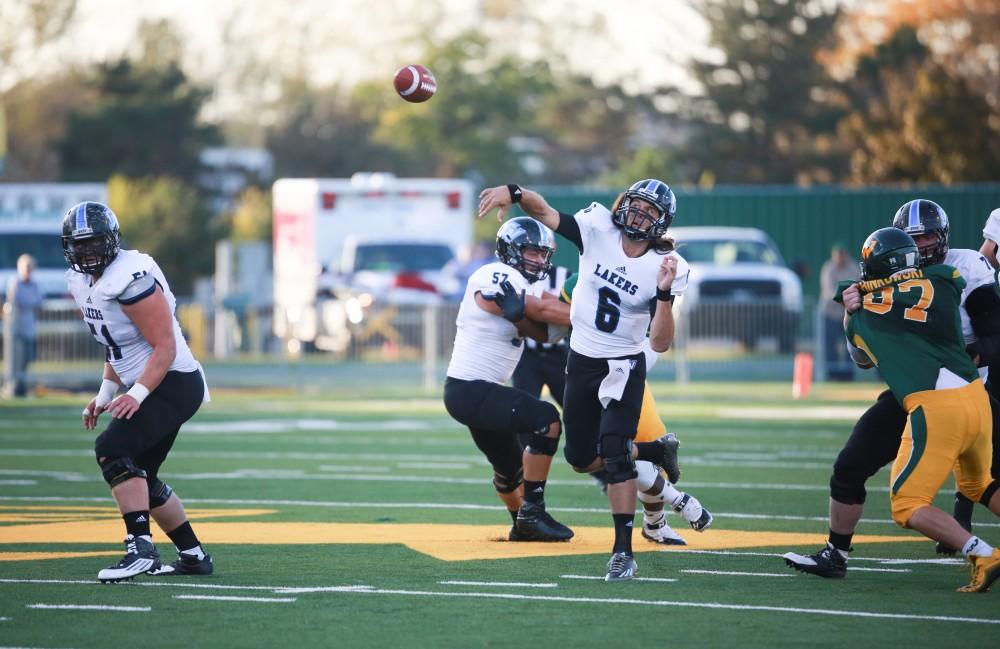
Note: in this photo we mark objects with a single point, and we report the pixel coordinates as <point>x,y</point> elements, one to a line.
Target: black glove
<point>510,302</point>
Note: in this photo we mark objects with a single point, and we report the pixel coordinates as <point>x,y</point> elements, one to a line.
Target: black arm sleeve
<point>569,228</point>
<point>983,307</point>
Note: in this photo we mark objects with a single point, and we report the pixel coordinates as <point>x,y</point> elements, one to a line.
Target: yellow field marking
<point>445,542</point>
<point>38,556</point>
<point>13,514</point>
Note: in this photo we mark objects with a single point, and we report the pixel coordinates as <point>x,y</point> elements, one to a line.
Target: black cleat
<point>140,556</point>
<point>828,562</point>
<point>534,524</point>
<point>944,549</point>
<point>621,567</point>
<point>669,460</point>
<point>186,564</point>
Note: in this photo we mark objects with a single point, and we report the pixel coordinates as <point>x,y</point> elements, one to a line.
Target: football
<point>415,83</point>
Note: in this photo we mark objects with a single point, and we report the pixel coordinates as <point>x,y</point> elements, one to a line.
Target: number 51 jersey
<point>610,311</point>
<point>129,278</point>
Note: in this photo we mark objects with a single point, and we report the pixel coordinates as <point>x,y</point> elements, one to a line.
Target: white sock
<point>976,547</point>
<point>196,551</point>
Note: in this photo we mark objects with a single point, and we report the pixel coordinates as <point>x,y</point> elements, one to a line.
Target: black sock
<point>841,541</point>
<point>513,515</point>
<point>623,532</point>
<point>534,492</point>
<point>183,537</point>
<point>650,452</point>
<point>137,523</point>
<point>963,511</point>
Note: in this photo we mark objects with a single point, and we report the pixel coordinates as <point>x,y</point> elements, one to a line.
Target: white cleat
<point>692,511</point>
<point>657,531</point>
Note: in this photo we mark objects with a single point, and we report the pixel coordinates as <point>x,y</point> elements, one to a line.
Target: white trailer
<point>31,216</point>
<point>318,224</point>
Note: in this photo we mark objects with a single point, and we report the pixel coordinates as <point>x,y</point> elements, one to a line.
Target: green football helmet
<point>888,251</point>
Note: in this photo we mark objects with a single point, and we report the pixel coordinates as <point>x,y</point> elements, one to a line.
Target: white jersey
<point>611,301</point>
<point>487,347</point>
<point>991,230</point>
<point>125,348</point>
<point>977,272</point>
<point>551,284</point>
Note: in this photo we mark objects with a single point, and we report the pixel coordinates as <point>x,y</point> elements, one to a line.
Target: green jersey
<point>566,294</point>
<point>909,325</point>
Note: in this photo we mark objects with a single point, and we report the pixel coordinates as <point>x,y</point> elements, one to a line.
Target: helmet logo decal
<point>914,214</point>
<point>869,248</point>
<point>81,219</point>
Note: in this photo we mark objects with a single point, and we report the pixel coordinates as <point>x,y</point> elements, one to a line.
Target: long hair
<point>661,246</point>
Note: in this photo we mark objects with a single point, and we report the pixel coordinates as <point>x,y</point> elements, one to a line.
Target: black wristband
<point>664,296</point>
<point>515,193</point>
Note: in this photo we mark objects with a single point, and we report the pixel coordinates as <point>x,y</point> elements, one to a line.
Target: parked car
<point>740,286</point>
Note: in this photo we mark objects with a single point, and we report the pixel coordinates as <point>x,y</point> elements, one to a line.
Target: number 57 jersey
<point>615,294</point>
<point>131,277</point>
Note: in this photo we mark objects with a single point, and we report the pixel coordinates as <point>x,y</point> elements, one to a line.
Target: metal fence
<point>412,345</point>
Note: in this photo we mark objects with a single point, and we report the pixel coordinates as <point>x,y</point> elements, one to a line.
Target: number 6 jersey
<point>131,277</point>
<point>610,311</point>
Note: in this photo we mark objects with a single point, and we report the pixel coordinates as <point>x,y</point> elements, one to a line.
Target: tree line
<point>793,91</point>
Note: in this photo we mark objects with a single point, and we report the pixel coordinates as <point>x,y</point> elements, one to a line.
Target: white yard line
<point>502,584</point>
<point>435,505</point>
<point>675,603</point>
<point>739,574</point>
<point>92,607</point>
<point>598,578</point>
<point>230,598</point>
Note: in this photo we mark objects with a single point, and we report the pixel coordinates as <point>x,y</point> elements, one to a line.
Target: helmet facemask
<point>90,237</point>
<point>92,254</point>
<point>527,246</point>
<point>921,216</point>
<point>637,223</point>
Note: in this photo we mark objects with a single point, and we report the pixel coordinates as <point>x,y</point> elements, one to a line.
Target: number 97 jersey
<point>131,277</point>
<point>614,296</point>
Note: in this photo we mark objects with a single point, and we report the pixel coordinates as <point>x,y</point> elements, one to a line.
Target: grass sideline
<point>347,518</point>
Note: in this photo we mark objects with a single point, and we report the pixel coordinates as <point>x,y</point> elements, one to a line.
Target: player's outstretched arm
<point>502,197</point>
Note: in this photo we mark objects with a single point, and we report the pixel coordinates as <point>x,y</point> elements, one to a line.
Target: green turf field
<point>360,518</point>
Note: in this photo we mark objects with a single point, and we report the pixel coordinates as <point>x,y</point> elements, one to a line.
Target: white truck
<point>31,216</point>
<point>342,244</point>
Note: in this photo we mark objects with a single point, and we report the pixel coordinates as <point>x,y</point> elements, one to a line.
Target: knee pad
<point>117,470</point>
<point>847,486</point>
<point>988,492</point>
<point>504,484</point>
<point>904,506</point>
<point>159,493</point>
<point>616,451</point>
<point>537,418</point>
<point>647,473</point>
<point>538,443</point>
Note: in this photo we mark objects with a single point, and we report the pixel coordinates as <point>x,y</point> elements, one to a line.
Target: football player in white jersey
<point>629,275</point>
<point>127,304</point>
<point>991,238</point>
<point>875,439</point>
<point>517,432</point>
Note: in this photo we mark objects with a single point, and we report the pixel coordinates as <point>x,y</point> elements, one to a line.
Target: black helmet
<point>522,233</point>
<point>655,192</point>
<point>888,251</point>
<point>90,237</point>
<point>922,216</point>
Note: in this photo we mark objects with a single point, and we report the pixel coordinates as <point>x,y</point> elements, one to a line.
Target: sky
<point>345,41</point>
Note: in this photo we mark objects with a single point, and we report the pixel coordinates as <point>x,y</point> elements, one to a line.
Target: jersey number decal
<point>607,310</point>
<point>112,350</point>
<point>880,302</point>
<point>499,277</point>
